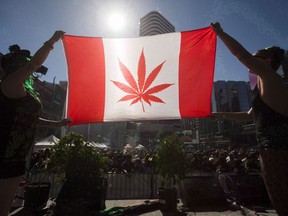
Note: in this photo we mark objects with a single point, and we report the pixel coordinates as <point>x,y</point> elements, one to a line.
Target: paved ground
<point>207,211</point>
<point>231,211</point>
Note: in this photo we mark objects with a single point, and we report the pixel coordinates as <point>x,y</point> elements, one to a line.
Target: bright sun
<point>116,21</point>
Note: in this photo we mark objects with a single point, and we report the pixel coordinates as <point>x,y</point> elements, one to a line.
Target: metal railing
<point>126,186</point>
<point>120,185</point>
<point>133,186</point>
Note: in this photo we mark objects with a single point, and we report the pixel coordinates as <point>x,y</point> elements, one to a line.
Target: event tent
<point>98,145</point>
<point>139,147</point>
<point>47,142</point>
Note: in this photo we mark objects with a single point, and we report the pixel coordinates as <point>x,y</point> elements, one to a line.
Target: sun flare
<point>116,21</point>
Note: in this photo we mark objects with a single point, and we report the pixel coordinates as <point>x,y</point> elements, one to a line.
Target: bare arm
<point>13,84</point>
<point>233,45</point>
<point>50,123</point>
<point>271,86</point>
<point>236,116</point>
<point>255,65</point>
<point>40,56</point>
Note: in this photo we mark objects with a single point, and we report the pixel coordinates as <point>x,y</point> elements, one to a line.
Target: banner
<point>166,76</point>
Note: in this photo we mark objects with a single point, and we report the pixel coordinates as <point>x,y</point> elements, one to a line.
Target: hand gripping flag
<point>167,76</point>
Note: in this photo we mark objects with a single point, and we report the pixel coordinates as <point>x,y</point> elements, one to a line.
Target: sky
<point>256,24</point>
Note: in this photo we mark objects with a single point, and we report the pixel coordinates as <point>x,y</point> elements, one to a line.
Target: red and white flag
<point>167,76</point>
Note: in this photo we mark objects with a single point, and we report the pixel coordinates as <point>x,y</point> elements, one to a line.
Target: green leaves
<point>73,153</point>
<point>171,160</point>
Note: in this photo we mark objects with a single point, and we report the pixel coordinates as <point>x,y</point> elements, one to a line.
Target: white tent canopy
<point>139,146</point>
<point>47,142</point>
<point>98,145</point>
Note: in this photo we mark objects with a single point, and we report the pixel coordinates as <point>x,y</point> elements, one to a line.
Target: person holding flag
<point>19,115</point>
<point>270,112</point>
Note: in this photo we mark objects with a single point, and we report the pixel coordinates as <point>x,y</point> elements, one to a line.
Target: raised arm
<point>234,116</point>
<point>13,83</point>
<point>233,45</point>
<point>255,65</point>
<point>41,55</point>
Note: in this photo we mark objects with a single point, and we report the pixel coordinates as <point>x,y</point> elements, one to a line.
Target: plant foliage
<point>72,152</point>
<point>171,160</point>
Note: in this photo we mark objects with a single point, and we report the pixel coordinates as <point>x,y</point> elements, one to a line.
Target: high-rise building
<point>53,98</point>
<point>155,23</point>
<point>232,96</point>
<point>242,93</point>
<point>221,96</point>
<point>150,132</point>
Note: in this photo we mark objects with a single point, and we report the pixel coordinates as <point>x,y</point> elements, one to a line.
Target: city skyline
<point>253,24</point>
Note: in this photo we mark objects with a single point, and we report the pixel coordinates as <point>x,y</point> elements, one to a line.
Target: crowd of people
<point>202,158</point>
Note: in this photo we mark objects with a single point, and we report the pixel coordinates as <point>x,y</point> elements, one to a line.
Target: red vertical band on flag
<point>196,72</point>
<point>86,78</point>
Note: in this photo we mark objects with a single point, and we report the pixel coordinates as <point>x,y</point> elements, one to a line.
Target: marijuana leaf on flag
<point>137,92</point>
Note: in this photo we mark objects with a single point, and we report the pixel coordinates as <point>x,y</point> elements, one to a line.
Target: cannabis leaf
<point>139,91</point>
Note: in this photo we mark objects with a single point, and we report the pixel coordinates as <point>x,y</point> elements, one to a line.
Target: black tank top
<point>271,126</point>
<point>18,120</point>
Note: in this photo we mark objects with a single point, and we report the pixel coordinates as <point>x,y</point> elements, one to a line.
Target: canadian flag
<point>167,76</point>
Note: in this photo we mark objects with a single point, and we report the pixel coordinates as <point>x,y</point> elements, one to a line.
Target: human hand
<point>216,27</point>
<point>56,36</point>
<point>64,122</point>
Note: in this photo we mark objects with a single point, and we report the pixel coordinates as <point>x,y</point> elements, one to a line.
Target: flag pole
<point>64,129</point>
<point>88,131</point>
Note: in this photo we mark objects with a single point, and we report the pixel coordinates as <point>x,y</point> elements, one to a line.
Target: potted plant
<point>81,169</point>
<point>36,195</point>
<point>36,185</point>
<point>170,165</point>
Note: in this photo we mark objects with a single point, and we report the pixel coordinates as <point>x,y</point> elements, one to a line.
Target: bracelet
<point>47,43</point>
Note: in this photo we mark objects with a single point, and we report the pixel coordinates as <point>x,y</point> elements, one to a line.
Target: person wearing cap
<point>270,112</point>
<point>20,112</point>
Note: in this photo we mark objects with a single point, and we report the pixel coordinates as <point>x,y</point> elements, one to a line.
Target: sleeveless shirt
<point>271,126</point>
<point>18,121</point>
